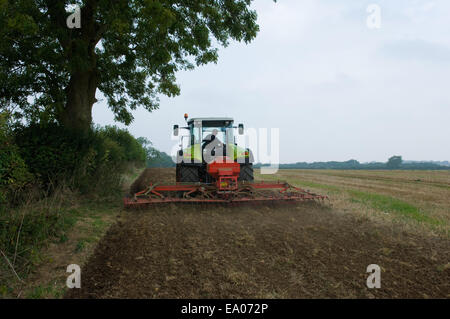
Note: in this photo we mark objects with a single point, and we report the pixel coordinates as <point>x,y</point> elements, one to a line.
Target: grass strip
<point>393,205</point>
<point>377,201</point>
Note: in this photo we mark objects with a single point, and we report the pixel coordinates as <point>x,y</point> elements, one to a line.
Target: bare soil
<point>275,251</point>
<point>148,176</point>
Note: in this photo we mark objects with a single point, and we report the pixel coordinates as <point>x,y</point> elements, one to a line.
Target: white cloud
<point>336,89</point>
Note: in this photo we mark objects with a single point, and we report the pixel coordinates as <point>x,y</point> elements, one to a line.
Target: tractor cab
<point>218,132</point>
<point>204,130</point>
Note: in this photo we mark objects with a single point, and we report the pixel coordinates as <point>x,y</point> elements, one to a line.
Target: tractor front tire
<point>246,173</point>
<point>188,174</point>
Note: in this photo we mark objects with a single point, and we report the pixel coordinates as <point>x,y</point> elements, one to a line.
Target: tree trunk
<point>77,115</point>
<point>80,92</point>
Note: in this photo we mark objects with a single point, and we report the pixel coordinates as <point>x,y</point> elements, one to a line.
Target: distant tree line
<point>154,157</point>
<point>395,162</point>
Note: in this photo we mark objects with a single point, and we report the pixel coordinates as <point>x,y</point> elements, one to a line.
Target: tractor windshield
<point>201,132</point>
<point>221,134</point>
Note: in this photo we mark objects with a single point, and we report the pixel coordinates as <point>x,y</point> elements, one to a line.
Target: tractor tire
<point>246,173</point>
<point>177,173</point>
<point>188,174</point>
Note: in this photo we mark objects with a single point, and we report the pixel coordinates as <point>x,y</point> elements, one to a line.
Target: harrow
<point>225,189</point>
<point>201,193</point>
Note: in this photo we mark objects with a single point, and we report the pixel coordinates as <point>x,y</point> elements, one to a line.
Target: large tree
<point>129,50</point>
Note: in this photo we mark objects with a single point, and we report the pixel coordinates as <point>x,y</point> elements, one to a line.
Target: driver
<point>211,146</point>
<point>211,137</point>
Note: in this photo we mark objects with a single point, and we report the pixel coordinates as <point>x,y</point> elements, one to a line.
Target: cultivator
<point>202,193</point>
<point>225,189</point>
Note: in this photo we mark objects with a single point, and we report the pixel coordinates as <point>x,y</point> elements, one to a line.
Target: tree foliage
<point>14,174</point>
<point>394,162</point>
<point>129,50</point>
<point>154,157</point>
<point>54,155</point>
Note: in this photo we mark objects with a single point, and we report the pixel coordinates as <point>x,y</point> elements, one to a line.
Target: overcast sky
<point>336,89</point>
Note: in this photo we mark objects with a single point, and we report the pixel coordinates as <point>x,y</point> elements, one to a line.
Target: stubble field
<point>397,220</point>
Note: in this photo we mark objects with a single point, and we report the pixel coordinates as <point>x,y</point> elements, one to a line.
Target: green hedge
<point>14,173</point>
<point>53,155</point>
<point>131,149</point>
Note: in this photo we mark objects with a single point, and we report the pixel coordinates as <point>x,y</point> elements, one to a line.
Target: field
<point>398,220</point>
<point>419,199</point>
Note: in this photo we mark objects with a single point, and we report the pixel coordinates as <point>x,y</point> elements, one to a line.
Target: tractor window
<point>223,134</point>
<point>195,135</point>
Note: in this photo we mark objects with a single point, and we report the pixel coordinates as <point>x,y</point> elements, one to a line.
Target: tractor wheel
<point>177,173</point>
<point>188,174</point>
<point>246,173</point>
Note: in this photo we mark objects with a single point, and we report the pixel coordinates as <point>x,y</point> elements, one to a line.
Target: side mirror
<point>175,130</point>
<point>241,129</point>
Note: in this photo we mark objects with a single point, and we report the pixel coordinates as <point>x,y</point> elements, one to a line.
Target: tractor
<point>210,139</point>
<point>213,169</point>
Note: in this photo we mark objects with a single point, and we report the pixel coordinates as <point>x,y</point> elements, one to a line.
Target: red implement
<point>225,173</point>
<point>203,193</point>
<point>225,188</point>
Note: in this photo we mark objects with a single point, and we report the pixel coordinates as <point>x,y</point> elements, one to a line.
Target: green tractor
<point>209,139</point>
<point>212,168</point>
